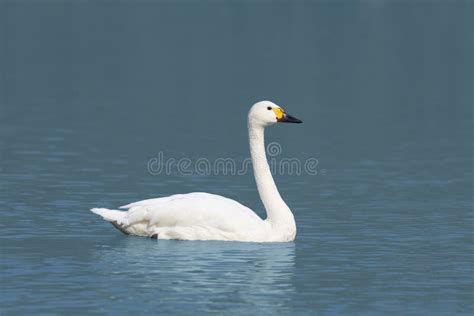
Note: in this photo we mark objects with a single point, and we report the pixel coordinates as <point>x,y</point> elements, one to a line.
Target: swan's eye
<point>269,108</point>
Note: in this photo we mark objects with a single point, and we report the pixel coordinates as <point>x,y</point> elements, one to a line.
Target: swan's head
<point>266,113</point>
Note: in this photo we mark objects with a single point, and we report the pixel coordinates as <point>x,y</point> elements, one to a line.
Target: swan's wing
<point>155,201</point>
<point>191,210</point>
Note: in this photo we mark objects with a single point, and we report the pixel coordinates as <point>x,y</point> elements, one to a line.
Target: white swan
<point>204,216</point>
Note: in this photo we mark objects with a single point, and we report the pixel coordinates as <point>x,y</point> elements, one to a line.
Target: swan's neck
<point>278,213</point>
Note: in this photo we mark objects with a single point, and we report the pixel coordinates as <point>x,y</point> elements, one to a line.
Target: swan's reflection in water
<point>246,276</point>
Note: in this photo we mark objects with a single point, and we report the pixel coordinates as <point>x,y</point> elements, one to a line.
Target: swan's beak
<point>282,117</point>
<point>286,118</point>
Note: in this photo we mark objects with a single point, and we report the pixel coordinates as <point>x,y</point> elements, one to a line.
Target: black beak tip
<point>291,119</point>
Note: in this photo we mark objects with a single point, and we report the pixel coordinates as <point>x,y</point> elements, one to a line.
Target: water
<point>91,91</point>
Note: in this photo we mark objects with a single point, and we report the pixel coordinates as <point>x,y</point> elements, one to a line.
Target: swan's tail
<point>116,218</point>
<point>109,215</point>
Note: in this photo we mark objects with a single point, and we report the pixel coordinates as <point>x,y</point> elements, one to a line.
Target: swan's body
<point>192,216</point>
<point>204,216</point>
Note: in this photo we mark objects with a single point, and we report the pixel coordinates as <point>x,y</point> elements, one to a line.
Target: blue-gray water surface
<point>91,92</point>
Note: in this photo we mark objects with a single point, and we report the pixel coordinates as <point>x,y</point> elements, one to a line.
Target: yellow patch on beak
<point>279,113</point>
